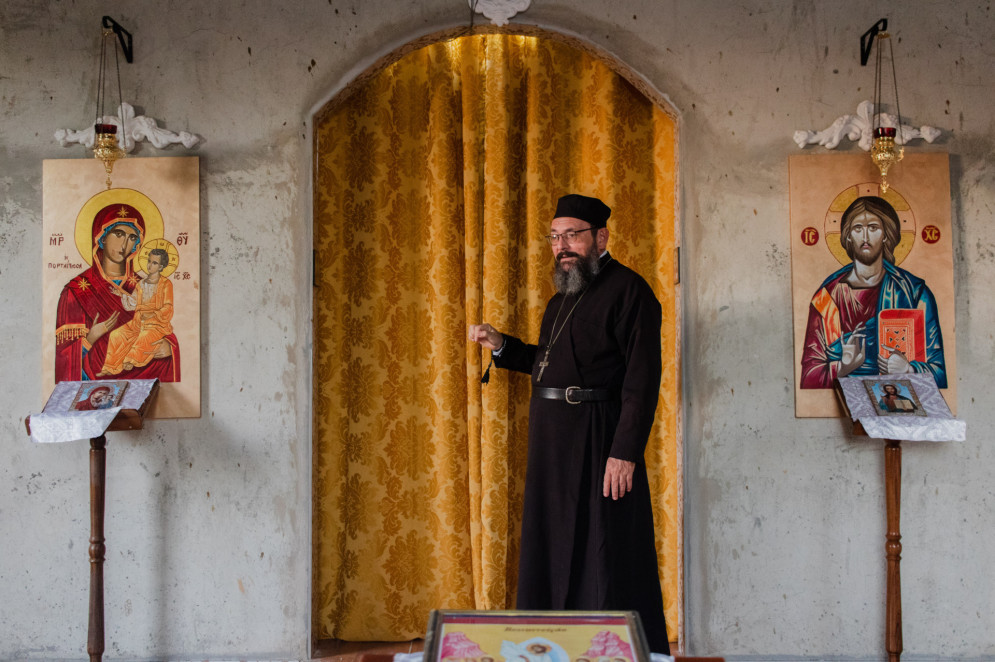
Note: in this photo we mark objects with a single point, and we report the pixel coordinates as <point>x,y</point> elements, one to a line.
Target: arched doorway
<point>435,176</point>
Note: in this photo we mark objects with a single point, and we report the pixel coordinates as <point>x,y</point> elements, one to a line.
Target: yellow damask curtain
<point>435,180</point>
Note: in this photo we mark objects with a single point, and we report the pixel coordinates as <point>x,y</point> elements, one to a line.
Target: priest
<point>587,526</point>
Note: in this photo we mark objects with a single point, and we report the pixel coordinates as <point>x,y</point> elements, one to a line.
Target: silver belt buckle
<point>567,395</point>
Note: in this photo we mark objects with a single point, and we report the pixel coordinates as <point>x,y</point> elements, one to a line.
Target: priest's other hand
<point>618,478</point>
<point>486,335</point>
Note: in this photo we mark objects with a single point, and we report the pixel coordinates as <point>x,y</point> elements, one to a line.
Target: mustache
<point>563,254</point>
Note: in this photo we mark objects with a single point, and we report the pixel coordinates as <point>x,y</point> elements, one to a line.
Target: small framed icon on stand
<point>545,636</point>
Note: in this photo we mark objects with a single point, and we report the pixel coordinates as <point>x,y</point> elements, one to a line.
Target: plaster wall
<point>208,520</point>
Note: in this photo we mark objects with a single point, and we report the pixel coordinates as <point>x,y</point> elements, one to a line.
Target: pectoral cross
<point>542,365</point>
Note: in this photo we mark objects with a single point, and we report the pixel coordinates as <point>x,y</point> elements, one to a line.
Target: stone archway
<point>392,199</point>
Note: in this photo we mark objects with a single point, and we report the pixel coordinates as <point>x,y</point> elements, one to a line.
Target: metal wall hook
<point>866,40</point>
<point>123,36</point>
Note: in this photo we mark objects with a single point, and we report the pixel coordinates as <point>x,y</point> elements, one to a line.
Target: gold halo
<point>143,256</point>
<point>84,220</point>
<point>834,216</point>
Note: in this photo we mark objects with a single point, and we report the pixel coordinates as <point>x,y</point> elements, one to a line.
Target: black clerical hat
<point>587,209</point>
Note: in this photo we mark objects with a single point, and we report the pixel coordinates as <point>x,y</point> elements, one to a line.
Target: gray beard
<point>576,280</point>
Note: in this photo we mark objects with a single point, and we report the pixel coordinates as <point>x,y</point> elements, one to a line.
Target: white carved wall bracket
<point>137,129</point>
<point>859,127</point>
<point>499,11</point>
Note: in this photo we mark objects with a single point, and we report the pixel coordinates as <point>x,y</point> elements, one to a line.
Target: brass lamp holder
<point>884,153</point>
<point>105,147</point>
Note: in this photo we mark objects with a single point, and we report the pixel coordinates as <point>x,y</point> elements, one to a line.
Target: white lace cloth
<point>938,424</point>
<point>56,423</point>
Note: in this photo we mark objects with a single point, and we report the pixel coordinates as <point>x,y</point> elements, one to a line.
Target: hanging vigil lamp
<point>105,133</point>
<point>884,152</point>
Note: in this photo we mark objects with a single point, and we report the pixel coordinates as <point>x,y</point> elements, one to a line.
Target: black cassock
<point>579,549</point>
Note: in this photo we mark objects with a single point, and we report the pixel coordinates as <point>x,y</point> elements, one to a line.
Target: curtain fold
<point>435,181</point>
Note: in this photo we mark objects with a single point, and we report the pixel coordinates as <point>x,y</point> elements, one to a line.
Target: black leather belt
<point>572,394</point>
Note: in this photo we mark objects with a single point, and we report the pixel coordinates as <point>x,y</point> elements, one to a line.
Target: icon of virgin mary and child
<point>111,323</point>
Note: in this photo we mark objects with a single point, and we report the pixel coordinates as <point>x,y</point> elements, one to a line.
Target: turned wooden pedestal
<point>893,547</point>
<point>127,419</point>
<point>98,473</point>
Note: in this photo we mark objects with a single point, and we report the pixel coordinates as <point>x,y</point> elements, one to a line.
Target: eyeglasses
<point>570,236</point>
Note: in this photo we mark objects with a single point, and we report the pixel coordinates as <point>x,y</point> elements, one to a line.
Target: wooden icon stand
<point>893,543</point>
<point>890,408</point>
<point>126,419</point>
<point>893,547</point>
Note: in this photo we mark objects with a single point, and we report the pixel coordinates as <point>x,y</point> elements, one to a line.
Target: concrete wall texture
<point>208,520</point>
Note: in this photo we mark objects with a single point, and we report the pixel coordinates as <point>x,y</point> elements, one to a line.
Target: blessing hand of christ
<point>618,478</point>
<point>854,351</point>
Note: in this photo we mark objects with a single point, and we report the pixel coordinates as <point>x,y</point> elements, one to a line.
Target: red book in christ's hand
<point>902,330</point>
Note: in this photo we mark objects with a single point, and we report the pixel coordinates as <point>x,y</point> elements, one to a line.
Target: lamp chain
<point>101,68</point>
<point>878,84</point>
<point>102,79</point>
<point>894,82</point>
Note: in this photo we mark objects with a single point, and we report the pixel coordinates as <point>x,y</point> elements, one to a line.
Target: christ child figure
<point>135,344</point>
